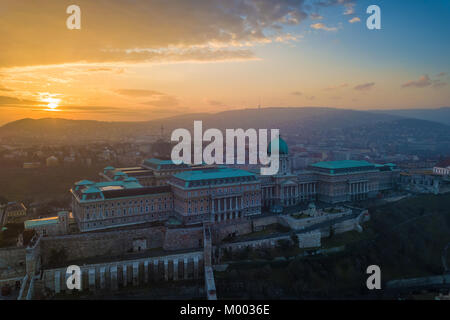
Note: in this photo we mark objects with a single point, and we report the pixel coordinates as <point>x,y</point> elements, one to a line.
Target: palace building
<point>158,190</point>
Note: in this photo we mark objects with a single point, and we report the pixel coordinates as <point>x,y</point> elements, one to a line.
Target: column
<point>218,205</point>
<point>212,205</point>
<point>166,270</point>
<point>102,277</point>
<point>124,273</point>
<point>57,282</point>
<point>135,274</point>
<point>67,275</point>
<point>225,207</point>
<point>155,269</point>
<point>113,274</point>
<point>92,279</point>
<point>185,267</point>
<point>175,269</point>
<point>195,267</point>
<point>146,271</point>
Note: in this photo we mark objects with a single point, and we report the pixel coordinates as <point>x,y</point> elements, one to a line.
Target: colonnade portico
<point>290,194</point>
<point>227,207</point>
<point>358,190</point>
<point>126,273</point>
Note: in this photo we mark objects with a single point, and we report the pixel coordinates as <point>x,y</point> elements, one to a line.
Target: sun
<point>52,103</point>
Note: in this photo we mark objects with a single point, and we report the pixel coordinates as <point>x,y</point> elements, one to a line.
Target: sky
<point>140,60</point>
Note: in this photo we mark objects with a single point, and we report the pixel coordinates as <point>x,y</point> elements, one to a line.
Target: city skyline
<point>149,60</point>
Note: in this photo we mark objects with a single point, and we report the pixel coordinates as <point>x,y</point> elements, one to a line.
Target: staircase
<point>210,285</point>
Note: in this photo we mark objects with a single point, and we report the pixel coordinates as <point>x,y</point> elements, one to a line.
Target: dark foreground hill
<point>406,239</point>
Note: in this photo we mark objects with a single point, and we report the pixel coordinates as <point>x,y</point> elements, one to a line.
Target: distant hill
<point>441,115</point>
<point>53,129</point>
<point>289,120</point>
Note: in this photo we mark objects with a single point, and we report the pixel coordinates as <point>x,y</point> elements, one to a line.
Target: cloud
<point>315,16</point>
<point>350,9</point>
<point>5,89</point>
<point>215,103</point>
<point>163,101</point>
<point>365,86</point>
<point>138,93</point>
<point>93,109</point>
<point>343,85</point>
<point>424,81</point>
<point>354,20</point>
<point>442,74</point>
<point>439,84</point>
<point>110,29</point>
<point>321,26</point>
<point>12,101</point>
<point>296,93</point>
<point>147,31</point>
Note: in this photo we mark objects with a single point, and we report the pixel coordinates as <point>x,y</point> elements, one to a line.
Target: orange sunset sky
<point>141,60</point>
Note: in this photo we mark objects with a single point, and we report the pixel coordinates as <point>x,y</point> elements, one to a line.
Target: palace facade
<point>159,190</point>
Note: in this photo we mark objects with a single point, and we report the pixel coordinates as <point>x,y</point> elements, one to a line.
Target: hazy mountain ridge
<point>289,120</point>
<point>441,115</point>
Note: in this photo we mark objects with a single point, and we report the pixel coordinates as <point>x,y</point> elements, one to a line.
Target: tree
<point>3,200</point>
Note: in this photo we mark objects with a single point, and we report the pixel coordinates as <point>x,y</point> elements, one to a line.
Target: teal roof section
<point>91,190</point>
<point>210,174</point>
<point>343,164</point>
<point>125,184</point>
<point>84,183</point>
<point>29,224</point>
<point>159,161</point>
<point>282,147</point>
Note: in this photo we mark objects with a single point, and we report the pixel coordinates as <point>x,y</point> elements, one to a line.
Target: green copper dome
<point>282,147</point>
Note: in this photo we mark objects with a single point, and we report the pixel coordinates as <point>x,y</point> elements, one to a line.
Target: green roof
<point>40,222</point>
<point>83,183</point>
<point>282,147</point>
<point>343,164</point>
<point>125,184</point>
<point>159,161</point>
<point>213,174</point>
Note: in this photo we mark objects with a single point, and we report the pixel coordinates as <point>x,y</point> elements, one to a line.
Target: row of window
<point>136,210</point>
<point>225,190</point>
<point>124,203</point>
<point>221,181</point>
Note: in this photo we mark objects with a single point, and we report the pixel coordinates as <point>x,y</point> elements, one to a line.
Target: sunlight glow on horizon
<point>52,103</point>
